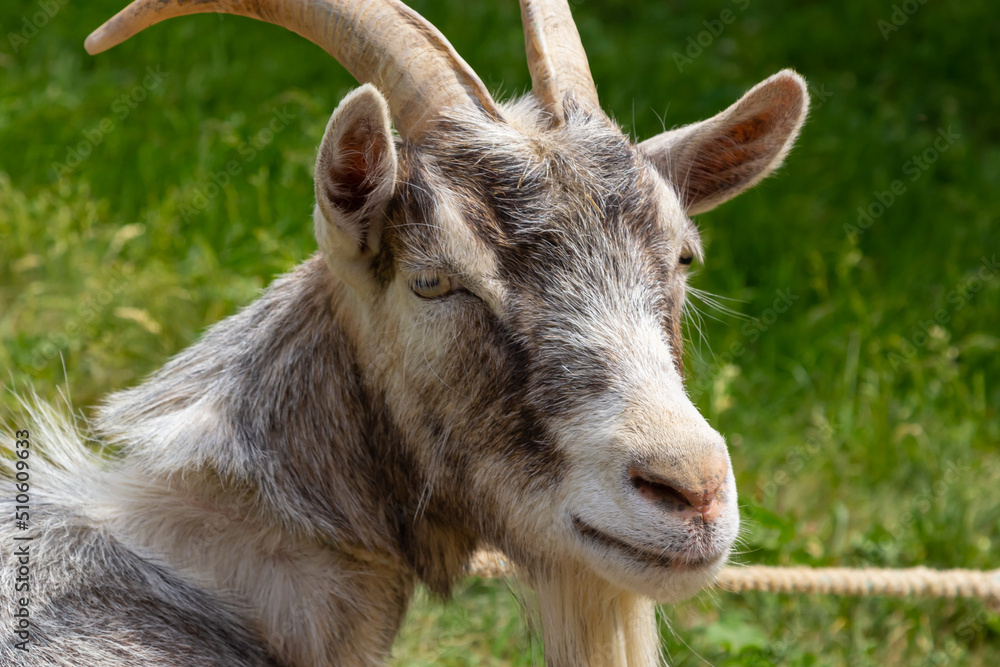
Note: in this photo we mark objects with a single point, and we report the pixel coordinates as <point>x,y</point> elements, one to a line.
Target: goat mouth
<point>648,555</point>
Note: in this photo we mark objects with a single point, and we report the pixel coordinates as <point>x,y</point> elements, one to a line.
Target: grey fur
<point>282,484</point>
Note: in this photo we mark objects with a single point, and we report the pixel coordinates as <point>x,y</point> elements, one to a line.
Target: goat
<point>484,352</point>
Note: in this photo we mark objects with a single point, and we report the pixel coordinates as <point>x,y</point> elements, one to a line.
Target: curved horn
<point>382,42</point>
<point>556,58</point>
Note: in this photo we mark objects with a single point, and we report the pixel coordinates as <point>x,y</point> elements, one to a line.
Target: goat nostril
<point>657,490</point>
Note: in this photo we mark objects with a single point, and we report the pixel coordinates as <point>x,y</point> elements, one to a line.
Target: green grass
<point>857,438</point>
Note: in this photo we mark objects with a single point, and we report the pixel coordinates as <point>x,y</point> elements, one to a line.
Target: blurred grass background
<point>142,198</point>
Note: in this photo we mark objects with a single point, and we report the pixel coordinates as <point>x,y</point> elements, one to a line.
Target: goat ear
<point>713,161</point>
<point>355,176</point>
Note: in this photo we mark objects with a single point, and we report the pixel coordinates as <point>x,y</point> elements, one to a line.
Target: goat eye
<point>686,259</point>
<point>434,284</point>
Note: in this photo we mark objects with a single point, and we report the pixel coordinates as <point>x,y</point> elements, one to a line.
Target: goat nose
<point>684,491</point>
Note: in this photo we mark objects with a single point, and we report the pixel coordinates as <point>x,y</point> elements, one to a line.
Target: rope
<point>910,582</point>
